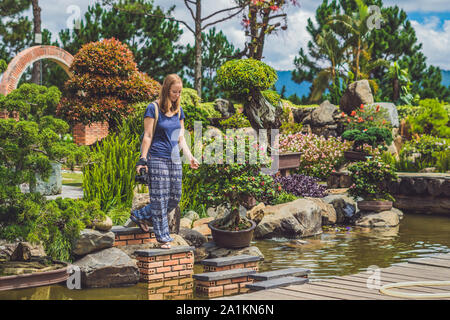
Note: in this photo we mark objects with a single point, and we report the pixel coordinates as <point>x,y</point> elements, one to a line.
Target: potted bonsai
<point>373,136</point>
<point>231,185</point>
<point>370,182</point>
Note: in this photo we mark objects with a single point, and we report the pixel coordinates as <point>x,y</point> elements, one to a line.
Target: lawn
<point>72,179</point>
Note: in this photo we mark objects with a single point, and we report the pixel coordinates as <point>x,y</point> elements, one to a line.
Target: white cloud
<point>435,42</point>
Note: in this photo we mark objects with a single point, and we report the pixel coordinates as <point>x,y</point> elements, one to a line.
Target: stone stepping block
<point>121,230</point>
<point>226,261</point>
<point>269,275</point>
<point>275,283</point>
<point>221,275</point>
<point>163,252</point>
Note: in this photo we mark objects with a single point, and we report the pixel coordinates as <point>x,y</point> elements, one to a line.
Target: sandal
<point>140,224</point>
<point>166,246</point>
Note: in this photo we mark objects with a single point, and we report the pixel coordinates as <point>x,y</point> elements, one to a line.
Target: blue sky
<point>430,18</point>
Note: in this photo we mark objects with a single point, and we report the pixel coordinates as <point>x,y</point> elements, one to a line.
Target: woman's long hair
<point>164,97</point>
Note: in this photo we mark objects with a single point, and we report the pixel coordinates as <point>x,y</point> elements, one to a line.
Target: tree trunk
<point>396,90</point>
<point>36,73</point>
<point>198,49</point>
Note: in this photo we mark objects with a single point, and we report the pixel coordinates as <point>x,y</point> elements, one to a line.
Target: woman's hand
<point>142,163</point>
<point>138,169</point>
<point>194,163</point>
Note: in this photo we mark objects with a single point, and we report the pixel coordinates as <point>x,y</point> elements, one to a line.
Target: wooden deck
<point>354,287</point>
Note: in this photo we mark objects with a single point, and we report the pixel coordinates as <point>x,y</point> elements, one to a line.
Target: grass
<point>72,179</point>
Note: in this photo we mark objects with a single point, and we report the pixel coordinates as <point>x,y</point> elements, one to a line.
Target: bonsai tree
<point>229,184</point>
<point>371,179</point>
<point>105,84</point>
<point>375,137</point>
<point>245,80</point>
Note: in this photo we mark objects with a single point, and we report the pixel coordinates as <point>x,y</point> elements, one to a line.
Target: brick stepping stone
<point>160,252</point>
<point>269,275</point>
<point>275,283</point>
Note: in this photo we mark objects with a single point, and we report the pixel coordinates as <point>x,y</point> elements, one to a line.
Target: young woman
<point>161,156</point>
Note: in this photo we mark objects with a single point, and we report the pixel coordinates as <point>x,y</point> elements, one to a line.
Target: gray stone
<point>344,206</point>
<point>93,240</point>
<point>225,107</point>
<point>391,110</point>
<point>104,225</point>
<point>52,186</point>
<point>130,249</point>
<point>327,212</point>
<point>218,212</point>
<point>217,252</point>
<point>269,275</point>
<point>107,268</point>
<point>162,252</point>
<point>276,283</point>
<point>191,215</point>
<point>226,261</point>
<point>193,237</point>
<point>323,114</point>
<point>357,93</point>
<point>299,218</point>
<point>185,223</point>
<point>220,275</point>
<point>378,219</point>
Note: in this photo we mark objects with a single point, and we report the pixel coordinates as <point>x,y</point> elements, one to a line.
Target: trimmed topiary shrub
<point>105,84</point>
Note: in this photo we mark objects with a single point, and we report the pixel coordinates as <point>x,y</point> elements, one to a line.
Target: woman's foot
<point>166,245</point>
<point>142,225</point>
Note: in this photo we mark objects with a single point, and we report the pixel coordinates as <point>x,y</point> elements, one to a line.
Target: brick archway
<point>27,57</point>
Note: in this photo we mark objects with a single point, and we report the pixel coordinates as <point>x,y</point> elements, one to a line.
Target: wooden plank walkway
<point>354,287</point>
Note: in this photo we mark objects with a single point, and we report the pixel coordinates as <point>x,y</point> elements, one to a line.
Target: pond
<point>334,253</point>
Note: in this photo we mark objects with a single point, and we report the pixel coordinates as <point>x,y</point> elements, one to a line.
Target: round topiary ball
<point>244,77</point>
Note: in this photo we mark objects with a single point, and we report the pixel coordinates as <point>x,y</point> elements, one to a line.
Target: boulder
<point>192,215</point>
<point>378,219</point>
<point>323,114</point>
<point>203,229</point>
<point>185,223</point>
<point>357,93</point>
<point>392,116</point>
<point>25,250</point>
<point>104,225</point>
<point>203,221</point>
<point>299,218</point>
<point>217,212</point>
<point>93,240</point>
<point>327,212</point>
<point>107,268</point>
<point>193,237</point>
<point>256,213</point>
<point>344,206</point>
<point>225,107</point>
<point>218,252</point>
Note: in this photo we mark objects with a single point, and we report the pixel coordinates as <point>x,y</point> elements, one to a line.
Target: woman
<point>160,154</point>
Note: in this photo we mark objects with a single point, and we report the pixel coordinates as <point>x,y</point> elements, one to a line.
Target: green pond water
<point>334,253</point>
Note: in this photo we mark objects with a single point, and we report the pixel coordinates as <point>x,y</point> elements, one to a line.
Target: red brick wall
<point>136,238</point>
<point>248,265</point>
<point>222,287</point>
<point>175,289</point>
<point>89,134</point>
<point>170,266</point>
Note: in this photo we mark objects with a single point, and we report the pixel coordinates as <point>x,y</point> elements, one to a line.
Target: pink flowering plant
<point>371,179</point>
<point>319,155</point>
<point>229,184</point>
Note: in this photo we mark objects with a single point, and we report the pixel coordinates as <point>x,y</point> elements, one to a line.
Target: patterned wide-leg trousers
<point>165,194</point>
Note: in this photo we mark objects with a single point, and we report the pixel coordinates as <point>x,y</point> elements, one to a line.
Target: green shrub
<point>189,97</point>
<point>192,114</point>
<point>284,197</point>
<point>208,107</point>
<point>238,120</point>
<point>272,96</point>
<point>243,77</point>
<point>110,179</point>
<point>119,214</point>
<point>375,137</point>
<point>3,65</point>
<point>432,119</point>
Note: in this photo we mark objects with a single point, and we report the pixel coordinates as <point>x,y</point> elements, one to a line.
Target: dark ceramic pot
<point>355,155</point>
<point>375,205</point>
<point>35,279</point>
<point>232,239</point>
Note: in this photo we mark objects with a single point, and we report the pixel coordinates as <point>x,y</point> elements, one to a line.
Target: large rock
<point>93,240</point>
<point>193,237</point>
<point>218,252</point>
<point>344,206</point>
<point>218,212</point>
<point>357,93</point>
<point>225,107</point>
<point>256,213</point>
<point>192,215</point>
<point>104,225</point>
<point>391,110</point>
<point>107,268</point>
<point>185,223</point>
<point>52,186</point>
<point>25,250</point>
<point>299,218</point>
<point>323,114</point>
<point>378,219</point>
<point>327,212</point>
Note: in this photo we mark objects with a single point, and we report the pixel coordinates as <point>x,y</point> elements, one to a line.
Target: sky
<point>430,19</point>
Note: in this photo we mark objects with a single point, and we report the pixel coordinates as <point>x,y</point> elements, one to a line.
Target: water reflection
<point>336,252</point>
